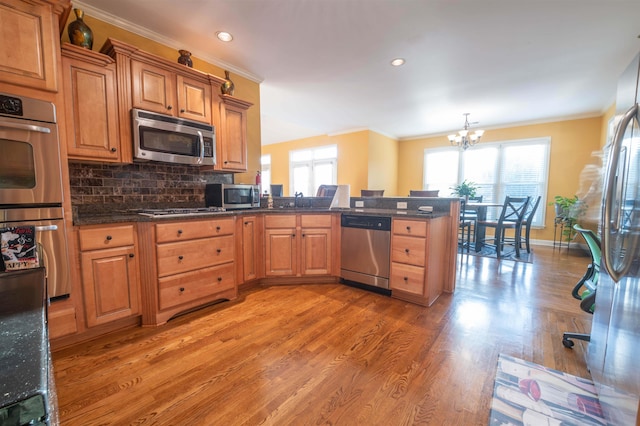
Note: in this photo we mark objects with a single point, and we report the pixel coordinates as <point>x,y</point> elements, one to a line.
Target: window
<point>515,168</point>
<point>265,173</point>
<point>310,168</point>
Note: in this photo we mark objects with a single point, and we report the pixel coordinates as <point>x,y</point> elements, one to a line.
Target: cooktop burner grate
<point>177,212</point>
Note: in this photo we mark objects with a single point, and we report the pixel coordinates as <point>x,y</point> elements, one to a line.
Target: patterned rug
<point>507,254</point>
<point>530,394</point>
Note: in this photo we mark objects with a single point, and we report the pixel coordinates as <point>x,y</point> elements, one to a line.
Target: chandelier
<point>464,139</point>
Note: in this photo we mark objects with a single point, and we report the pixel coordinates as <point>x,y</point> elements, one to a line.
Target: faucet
<point>297,195</point>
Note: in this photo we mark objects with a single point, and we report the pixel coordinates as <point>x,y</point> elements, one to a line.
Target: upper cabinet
<point>160,90</point>
<point>232,134</point>
<point>28,52</point>
<point>91,106</point>
<point>152,83</point>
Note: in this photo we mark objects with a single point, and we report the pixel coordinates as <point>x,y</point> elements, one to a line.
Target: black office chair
<point>585,289</point>
<point>511,216</point>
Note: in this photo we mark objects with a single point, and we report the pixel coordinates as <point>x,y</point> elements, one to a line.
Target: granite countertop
<point>105,215</point>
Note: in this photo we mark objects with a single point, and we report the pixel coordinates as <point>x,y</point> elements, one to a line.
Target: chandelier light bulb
<point>463,139</point>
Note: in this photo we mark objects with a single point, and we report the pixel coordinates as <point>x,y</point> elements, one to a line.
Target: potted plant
<point>568,210</point>
<point>465,189</point>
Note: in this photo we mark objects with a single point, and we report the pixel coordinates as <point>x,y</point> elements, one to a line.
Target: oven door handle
<point>28,127</point>
<point>47,228</point>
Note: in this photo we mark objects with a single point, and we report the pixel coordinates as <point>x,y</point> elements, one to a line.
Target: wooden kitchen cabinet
<point>110,274</point>
<point>165,91</point>
<point>250,249</point>
<point>418,259</point>
<point>298,245</point>
<point>186,264</point>
<point>91,106</point>
<point>232,136</point>
<point>30,34</point>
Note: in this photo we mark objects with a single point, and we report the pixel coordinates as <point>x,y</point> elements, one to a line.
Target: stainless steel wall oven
<point>31,182</point>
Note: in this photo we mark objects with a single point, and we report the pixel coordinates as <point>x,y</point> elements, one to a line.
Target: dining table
<point>481,215</point>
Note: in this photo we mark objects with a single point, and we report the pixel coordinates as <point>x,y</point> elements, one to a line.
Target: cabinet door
<point>249,249</point>
<point>316,252</point>
<point>233,140</point>
<point>110,284</point>
<point>153,88</point>
<point>280,252</point>
<point>92,110</point>
<point>194,99</point>
<point>29,45</point>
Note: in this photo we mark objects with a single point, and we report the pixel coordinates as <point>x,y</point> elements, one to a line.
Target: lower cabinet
<point>110,273</point>
<point>298,245</point>
<point>418,252</point>
<point>186,265</point>
<point>250,265</point>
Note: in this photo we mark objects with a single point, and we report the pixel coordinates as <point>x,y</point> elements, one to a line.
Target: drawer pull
<point>169,107</point>
<point>408,228</point>
<point>179,231</point>
<point>406,278</point>
<point>406,251</point>
<point>182,110</point>
<point>219,250</point>
<point>246,223</point>
<point>131,255</point>
<point>180,257</point>
<point>219,279</point>
<point>181,289</point>
<point>109,238</point>
<point>293,235</point>
<point>217,228</point>
<point>113,149</point>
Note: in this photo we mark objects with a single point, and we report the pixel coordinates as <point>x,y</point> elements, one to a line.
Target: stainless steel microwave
<point>230,196</point>
<point>158,137</point>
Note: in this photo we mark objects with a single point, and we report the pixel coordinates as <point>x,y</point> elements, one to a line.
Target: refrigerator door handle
<point>47,228</point>
<point>607,212</point>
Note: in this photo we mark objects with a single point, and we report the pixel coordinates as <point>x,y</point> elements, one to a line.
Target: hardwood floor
<point>332,355</point>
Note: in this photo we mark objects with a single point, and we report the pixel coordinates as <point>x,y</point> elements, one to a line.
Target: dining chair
<point>371,192</point>
<point>424,193</point>
<point>528,220</point>
<point>470,215</point>
<point>511,217</point>
<point>585,289</point>
<point>464,226</point>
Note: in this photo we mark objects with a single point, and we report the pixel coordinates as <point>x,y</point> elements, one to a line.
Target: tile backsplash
<point>139,184</point>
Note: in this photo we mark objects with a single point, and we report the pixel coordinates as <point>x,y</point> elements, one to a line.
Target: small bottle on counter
<point>270,202</point>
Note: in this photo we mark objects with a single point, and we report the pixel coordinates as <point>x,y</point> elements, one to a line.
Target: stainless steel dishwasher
<point>365,251</point>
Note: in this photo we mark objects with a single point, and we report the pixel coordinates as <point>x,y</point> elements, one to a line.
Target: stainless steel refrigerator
<point>614,350</point>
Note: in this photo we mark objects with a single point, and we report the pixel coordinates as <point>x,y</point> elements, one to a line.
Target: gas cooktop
<point>179,212</point>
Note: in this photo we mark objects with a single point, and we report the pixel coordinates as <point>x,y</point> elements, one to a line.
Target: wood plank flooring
<point>329,354</point>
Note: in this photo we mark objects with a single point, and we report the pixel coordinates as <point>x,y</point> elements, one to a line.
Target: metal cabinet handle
<point>47,228</point>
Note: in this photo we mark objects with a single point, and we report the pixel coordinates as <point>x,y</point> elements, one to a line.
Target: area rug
<point>509,254</point>
<point>530,394</point>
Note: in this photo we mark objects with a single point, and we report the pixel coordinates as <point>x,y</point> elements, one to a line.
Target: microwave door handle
<point>201,139</point>
<point>28,127</point>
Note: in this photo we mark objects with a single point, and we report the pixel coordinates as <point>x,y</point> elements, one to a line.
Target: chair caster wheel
<point>567,343</point>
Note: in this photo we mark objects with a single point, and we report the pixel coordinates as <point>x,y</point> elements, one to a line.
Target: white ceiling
<point>324,64</point>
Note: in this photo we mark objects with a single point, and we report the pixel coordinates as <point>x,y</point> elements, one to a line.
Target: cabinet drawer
<point>187,287</point>
<point>416,228</point>
<point>181,231</point>
<point>185,256</point>
<point>409,250</point>
<point>315,220</point>
<point>407,278</point>
<point>280,221</point>
<point>100,238</point>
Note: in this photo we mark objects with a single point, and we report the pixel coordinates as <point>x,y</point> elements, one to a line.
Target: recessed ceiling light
<point>224,36</point>
<point>397,62</point>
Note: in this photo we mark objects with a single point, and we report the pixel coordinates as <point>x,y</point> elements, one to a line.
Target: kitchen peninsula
<point>138,269</point>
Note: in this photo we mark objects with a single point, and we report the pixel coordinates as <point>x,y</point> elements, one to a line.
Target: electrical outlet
<point>401,205</point>
<point>359,203</point>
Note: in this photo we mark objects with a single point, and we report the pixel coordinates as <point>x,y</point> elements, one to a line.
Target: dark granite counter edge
<point>120,217</point>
